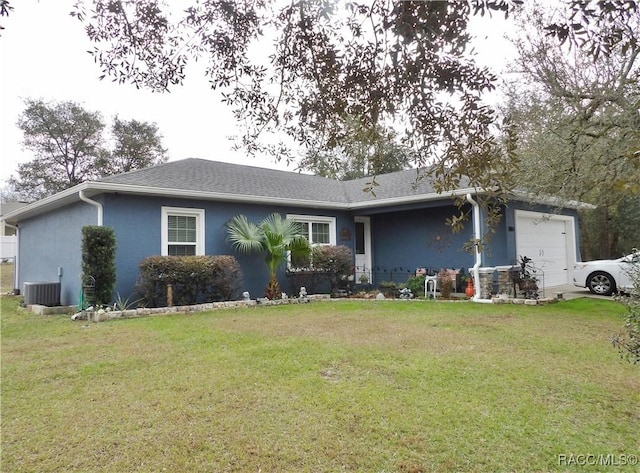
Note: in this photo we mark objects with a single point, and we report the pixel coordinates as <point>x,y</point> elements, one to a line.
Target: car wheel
<point>601,283</point>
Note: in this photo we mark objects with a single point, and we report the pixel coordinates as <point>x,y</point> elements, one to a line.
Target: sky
<point>43,54</point>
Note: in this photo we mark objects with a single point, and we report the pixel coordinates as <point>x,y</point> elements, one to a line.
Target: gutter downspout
<point>476,236</point>
<point>94,203</point>
<point>16,266</point>
<point>99,206</point>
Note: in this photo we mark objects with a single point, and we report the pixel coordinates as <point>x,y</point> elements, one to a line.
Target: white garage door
<point>547,240</point>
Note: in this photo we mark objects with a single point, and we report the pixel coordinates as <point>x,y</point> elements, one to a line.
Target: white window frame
<point>315,219</point>
<point>183,212</point>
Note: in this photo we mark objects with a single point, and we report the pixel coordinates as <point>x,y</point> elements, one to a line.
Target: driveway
<point>572,292</point>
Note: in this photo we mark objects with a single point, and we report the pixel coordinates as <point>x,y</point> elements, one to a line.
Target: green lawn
<point>375,386</point>
<point>6,277</point>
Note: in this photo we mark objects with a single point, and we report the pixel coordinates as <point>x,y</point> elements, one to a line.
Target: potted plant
<point>470,290</point>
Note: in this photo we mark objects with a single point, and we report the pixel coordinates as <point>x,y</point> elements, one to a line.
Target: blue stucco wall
<point>52,241</point>
<point>137,224</point>
<point>410,239</point>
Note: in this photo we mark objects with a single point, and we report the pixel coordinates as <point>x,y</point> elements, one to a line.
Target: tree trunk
<point>272,291</point>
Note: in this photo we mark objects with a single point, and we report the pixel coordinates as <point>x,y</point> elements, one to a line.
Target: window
<point>182,231</point>
<point>360,238</point>
<point>318,230</point>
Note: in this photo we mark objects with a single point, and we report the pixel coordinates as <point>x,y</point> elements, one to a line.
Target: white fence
<point>7,248</point>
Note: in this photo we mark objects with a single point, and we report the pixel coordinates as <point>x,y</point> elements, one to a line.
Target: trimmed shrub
<point>98,262</point>
<point>331,268</point>
<point>195,279</point>
<point>416,285</point>
<point>336,260</point>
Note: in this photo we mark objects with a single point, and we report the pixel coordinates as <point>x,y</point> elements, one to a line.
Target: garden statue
<point>303,294</point>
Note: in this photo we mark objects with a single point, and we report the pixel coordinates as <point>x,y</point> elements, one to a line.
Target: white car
<point>605,277</point>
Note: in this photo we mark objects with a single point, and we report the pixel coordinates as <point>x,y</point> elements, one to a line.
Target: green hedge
<point>195,279</point>
<point>98,263</point>
<point>332,265</point>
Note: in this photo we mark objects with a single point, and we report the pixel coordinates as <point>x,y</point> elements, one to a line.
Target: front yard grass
<point>375,386</point>
<point>6,277</point>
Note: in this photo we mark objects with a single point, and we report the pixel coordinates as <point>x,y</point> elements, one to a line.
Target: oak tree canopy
<point>296,72</point>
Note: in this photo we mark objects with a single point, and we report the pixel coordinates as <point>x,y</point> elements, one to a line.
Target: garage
<point>549,240</point>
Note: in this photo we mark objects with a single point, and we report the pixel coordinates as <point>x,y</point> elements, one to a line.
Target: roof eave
<point>94,188</point>
<point>52,202</point>
<point>551,200</point>
<point>413,199</point>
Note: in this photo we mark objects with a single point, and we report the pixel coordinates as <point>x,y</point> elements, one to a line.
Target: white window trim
<point>317,219</point>
<point>183,211</point>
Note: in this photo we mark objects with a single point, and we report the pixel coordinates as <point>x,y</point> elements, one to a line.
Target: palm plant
<point>275,237</point>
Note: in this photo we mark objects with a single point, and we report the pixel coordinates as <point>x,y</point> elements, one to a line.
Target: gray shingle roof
<point>201,175</point>
<point>6,207</point>
<point>392,185</point>
<point>214,180</point>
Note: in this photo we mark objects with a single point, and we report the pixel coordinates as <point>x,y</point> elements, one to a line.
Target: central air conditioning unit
<point>42,293</point>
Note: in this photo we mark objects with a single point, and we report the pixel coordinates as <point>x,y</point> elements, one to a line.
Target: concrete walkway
<point>571,292</point>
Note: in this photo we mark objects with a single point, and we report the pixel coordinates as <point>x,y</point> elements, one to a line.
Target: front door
<point>363,250</point>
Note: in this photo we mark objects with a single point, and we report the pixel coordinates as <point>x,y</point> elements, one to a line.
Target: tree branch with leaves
<point>295,72</point>
<point>575,120</point>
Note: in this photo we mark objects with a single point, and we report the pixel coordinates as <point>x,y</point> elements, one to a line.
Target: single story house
<point>392,233</point>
